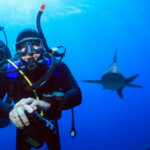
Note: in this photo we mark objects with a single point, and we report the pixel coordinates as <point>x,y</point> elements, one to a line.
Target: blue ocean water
<point>91,30</point>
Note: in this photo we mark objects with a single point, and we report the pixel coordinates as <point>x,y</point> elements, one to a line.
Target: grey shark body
<point>113,79</point>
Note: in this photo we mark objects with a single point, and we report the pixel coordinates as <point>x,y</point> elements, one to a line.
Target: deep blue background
<point>92,30</point>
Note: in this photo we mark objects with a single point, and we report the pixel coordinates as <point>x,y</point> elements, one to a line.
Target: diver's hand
<point>34,104</point>
<point>18,116</point>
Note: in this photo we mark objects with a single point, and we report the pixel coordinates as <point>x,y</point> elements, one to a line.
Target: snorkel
<point>54,53</point>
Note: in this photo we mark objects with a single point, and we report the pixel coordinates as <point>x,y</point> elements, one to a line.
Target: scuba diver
<point>41,87</point>
<point>4,54</point>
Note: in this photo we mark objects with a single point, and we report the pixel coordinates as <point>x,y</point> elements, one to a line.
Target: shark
<point>113,79</point>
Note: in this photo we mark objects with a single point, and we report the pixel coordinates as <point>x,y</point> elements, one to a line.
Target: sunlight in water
<point>25,11</point>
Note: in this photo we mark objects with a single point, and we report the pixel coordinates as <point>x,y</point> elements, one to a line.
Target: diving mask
<point>29,46</point>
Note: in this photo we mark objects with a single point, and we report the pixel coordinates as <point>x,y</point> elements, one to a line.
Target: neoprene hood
<point>27,33</point>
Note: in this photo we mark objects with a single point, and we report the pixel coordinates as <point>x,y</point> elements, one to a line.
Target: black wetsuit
<point>64,81</point>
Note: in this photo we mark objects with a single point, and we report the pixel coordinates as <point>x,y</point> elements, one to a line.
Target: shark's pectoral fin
<point>92,81</point>
<point>132,85</point>
<point>119,91</point>
<point>128,80</point>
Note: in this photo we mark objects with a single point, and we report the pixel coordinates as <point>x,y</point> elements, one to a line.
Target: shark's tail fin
<point>115,58</point>
<point>127,84</point>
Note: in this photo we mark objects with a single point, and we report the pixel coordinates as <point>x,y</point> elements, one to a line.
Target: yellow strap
<point>21,72</point>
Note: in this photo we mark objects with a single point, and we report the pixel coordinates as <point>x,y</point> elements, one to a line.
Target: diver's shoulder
<point>14,60</point>
<point>4,67</point>
<point>16,57</point>
<point>61,64</point>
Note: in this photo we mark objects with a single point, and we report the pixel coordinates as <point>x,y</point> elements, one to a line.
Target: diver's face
<point>29,48</point>
<point>33,56</point>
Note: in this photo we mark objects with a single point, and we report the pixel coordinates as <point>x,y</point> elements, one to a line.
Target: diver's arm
<point>70,87</point>
<point>4,107</point>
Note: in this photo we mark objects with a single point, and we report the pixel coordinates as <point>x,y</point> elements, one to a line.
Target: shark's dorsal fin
<point>115,57</point>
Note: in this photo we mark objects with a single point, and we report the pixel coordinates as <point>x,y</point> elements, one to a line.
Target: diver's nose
<point>29,50</point>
